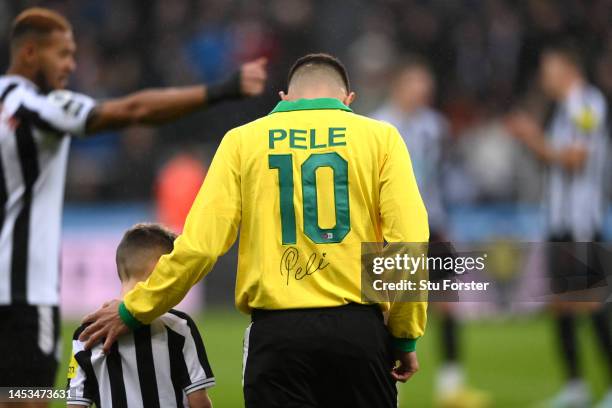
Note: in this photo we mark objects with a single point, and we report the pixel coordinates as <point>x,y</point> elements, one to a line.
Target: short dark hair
<point>144,236</point>
<point>568,50</point>
<point>38,20</point>
<point>321,59</point>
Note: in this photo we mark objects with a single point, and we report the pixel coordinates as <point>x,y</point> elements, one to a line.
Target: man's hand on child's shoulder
<point>105,323</point>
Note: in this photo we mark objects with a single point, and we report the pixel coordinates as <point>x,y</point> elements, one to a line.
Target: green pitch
<point>515,360</point>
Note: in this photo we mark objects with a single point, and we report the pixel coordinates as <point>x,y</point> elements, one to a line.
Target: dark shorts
<point>440,248</point>
<point>327,357</point>
<point>576,266</point>
<point>29,340</point>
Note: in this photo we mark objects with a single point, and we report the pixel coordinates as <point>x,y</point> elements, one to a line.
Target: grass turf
<point>516,360</point>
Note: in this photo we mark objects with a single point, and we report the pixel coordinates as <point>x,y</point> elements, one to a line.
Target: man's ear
<point>349,98</point>
<point>29,52</point>
<point>283,96</point>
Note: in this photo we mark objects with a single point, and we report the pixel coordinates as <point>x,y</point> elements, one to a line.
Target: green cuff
<point>406,345</point>
<point>129,320</point>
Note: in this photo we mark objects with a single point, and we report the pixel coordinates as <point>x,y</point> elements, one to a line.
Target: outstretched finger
<point>89,330</point>
<point>94,339</point>
<point>108,342</point>
<point>91,317</point>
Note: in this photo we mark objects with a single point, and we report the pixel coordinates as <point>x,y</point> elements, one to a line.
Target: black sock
<point>449,338</point>
<point>601,321</point>
<point>566,324</point>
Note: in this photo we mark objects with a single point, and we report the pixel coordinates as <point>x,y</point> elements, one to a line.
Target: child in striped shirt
<point>156,366</point>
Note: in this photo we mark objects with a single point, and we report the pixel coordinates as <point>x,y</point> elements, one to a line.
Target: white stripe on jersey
<point>46,340</point>
<point>245,350</point>
<point>102,374</point>
<point>129,367</point>
<point>34,154</point>
<point>162,363</point>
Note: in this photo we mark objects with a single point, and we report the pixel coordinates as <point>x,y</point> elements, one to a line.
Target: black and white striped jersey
<point>156,366</point>
<point>33,156</point>
<point>576,200</point>
<point>425,133</point>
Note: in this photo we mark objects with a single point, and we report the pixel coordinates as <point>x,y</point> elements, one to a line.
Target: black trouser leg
<point>449,338</point>
<point>566,324</point>
<point>603,332</point>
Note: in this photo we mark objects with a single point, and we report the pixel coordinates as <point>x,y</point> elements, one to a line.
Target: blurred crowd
<point>484,54</point>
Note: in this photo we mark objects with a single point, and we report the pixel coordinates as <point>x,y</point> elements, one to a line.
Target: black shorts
<point>576,266</point>
<point>327,357</point>
<point>440,248</point>
<point>29,340</point>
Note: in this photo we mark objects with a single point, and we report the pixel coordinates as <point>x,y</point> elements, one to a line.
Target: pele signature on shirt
<point>291,267</point>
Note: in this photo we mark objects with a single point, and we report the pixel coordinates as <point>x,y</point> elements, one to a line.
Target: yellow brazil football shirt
<point>303,187</point>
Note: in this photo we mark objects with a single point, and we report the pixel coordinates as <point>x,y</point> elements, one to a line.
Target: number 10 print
<point>339,166</point>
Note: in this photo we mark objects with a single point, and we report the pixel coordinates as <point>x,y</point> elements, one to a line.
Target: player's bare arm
<point>525,128</point>
<point>199,399</point>
<point>157,106</point>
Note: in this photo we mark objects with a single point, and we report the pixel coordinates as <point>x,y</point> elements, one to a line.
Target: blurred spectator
<point>484,53</point>
<point>177,185</point>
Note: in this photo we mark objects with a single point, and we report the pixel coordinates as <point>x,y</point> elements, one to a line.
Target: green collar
<point>310,104</point>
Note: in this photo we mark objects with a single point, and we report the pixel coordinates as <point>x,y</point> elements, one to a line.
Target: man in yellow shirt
<point>304,187</point>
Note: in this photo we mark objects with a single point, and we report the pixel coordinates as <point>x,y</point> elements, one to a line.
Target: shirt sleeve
<point>190,369</point>
<point>588,114</point>
<point>589,118</point>
<point>404,219</point>
<point>196,361</point>
<point>210,230</point>
<point>79,389</point>
<point>61,111</point>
